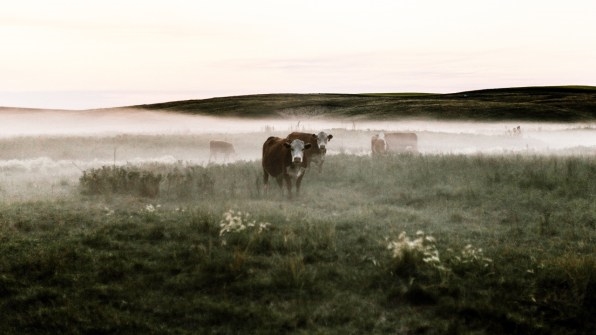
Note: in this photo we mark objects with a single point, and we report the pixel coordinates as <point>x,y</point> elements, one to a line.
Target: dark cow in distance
<point>284,160</point>
<point>318,149</point>
<point>378,146</point>
<point>220,147</point>
<point>401,142</point>
<point>516,131</point>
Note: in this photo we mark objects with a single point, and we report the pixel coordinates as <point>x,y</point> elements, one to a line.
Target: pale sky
<point>76,54</point>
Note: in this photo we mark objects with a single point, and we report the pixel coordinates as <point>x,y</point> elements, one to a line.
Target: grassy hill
<point>555,103</point>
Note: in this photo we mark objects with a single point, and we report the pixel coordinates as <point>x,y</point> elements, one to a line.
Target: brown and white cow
<point>220,147</point>
<point>318,149</point>
<point>284,160</point>
<point>378,146</point>
<point>401,142</point>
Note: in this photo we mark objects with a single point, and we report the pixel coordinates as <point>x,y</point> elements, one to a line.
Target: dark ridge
<point>547,103</point>
<point>552,103</point>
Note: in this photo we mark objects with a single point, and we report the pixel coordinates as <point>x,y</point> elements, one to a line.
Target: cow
<point>378,146</point>
<point>318,149</point>
<point>401,142</point>
<point>220,147</point>
<point>516,131</point>
<point>285,161</point>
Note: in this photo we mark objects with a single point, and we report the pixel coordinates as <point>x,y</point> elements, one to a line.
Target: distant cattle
<point>401,142</point>
<point>318,150</point>
<point>516,131</point>
<point>284,160</point>
<point>378,146</point>
<point>220,147</point>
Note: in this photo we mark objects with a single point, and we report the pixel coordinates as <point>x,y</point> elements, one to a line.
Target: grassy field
<point>551,103</point>
<point>407,244</point>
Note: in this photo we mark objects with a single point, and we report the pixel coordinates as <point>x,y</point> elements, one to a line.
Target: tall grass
<point>508,247</point>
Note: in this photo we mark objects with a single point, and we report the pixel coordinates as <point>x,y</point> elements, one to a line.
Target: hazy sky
<point>85,54</point>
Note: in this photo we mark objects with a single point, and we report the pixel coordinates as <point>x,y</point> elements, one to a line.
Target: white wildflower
<point>109,212</point>
<point>473,255</point>
<point>236,222</point>
<point>263,226</point>
<point>422,247</point>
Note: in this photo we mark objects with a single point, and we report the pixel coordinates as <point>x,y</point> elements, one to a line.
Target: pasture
<point>486,242</point>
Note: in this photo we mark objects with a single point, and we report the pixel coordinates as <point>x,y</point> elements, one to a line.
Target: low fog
<point>452,137</point>
<point>35,144</point>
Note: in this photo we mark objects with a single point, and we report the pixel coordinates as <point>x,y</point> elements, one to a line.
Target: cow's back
<point>217,146</point>
<point>401,142</point>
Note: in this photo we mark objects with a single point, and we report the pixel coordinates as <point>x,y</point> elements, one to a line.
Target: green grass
<point>119,262</point>
<point>551,103</point>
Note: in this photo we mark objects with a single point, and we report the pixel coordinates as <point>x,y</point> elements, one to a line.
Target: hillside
<point>555,103</point>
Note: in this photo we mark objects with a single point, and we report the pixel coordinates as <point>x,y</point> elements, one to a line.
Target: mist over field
<point>536,136</point>
<point>114,210</point>
<point>37,144</point>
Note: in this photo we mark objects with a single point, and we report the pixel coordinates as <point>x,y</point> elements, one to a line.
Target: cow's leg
<point>298,182</point>
<point>320,165</point>
<point>317,160</point>
<point>301,171</point>
<point>288,180</point>
<point>279,180</point>
<point>265,181</point>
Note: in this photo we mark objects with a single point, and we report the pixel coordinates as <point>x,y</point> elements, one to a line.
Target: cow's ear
<point>329,137</point>
<point>287,145</point>
<point>314,136</point>
<point>307,146</point>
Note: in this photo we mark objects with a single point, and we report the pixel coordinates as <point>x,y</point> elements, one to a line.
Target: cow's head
<point>297,148</point>
<point>322,139</point>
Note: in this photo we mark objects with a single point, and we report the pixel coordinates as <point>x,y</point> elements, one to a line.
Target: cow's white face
<point>322,139</point>
<point>297,148</point>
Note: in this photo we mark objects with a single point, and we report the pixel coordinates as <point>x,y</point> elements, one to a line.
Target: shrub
<point>184,183</point>
<point>109,180</point>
